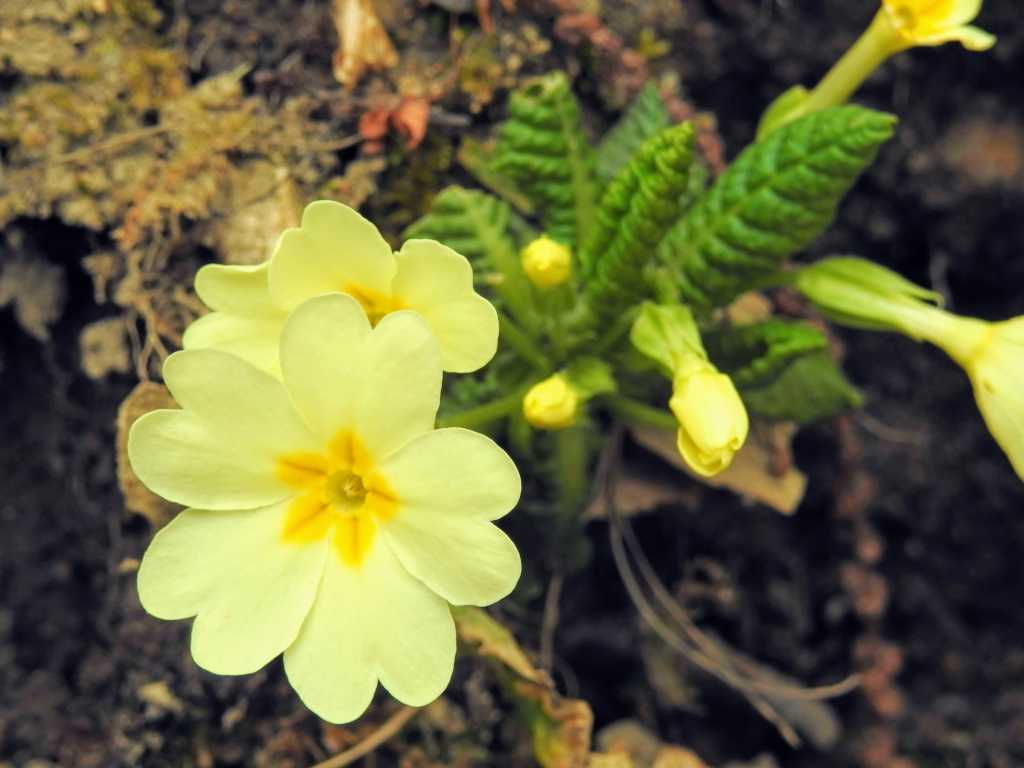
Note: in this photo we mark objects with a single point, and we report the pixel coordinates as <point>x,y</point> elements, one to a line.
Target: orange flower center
<point>341,495</point>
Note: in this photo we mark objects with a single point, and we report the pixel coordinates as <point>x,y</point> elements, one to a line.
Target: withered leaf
<point>364,43</point>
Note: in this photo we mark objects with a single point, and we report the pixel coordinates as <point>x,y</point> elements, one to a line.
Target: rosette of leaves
<point>642,226</point>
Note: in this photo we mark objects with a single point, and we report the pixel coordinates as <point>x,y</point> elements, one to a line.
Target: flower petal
<point>335,249</point>
<point>235,289</point>
<point>962,12</point>
<point>254,338</point>
<point>188,461</point>
<point>437,282</point>
<point>1001,402</point>
<point>321,348</point>
<point>238,399</point>
<point>384,384</point>
<point>449,484</point>
<point>250,591</point>
<point>972,38</point>
<point>454,471</point>
<point>371,622</point>
<point>220,451</point>
<point>467,562</point>
<point>401,379</point>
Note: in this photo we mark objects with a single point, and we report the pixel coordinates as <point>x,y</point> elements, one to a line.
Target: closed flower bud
<point>551,404</point>
<point>713,422</point>
<point>547,263</point>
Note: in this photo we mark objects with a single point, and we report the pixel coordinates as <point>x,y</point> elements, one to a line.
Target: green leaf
<point>479,226</point>
<point>812,387</point>
<point>478,158</point>
<point>779,195</point>
<point>754,355</point>
<point>542,146</point>
<point>646,117</point>
<point>637,209</point>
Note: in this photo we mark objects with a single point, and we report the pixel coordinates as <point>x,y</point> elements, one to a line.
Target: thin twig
<point>390,728</point>
<point>715,664</point>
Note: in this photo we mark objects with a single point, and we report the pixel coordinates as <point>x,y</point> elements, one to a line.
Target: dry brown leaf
<point>677,757</point>
<point>410,119</point>
<point>599,760</point>
<point>561,728</point>
<point>103,346</point>
<point>147,396</point>
<point>760,471</point>
<point>363,42</point>
<point>643,487</point>
<point>373,123</point>
<point>750,307</point>
<point>643,747</point>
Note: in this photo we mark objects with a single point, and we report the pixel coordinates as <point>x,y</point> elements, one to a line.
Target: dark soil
<point>943,205</point>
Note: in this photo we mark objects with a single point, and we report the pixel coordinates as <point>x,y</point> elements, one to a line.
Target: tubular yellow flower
<point>862,294</point>
<point>934,22</point>
<point>552,403</point>
<point>329,521</point>
<point>713,422</point>
<point>992,355</point>
<point>337,250</point>
<point>546,262</point>
<point>898,25</point>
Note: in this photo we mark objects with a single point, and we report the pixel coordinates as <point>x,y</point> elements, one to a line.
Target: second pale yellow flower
<point>338,251</point>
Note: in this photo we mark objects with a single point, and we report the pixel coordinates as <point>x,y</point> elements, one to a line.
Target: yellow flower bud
<point>934,22</point>
<point>546,262</point>
<point>713,422</point>
<point>551,404</point>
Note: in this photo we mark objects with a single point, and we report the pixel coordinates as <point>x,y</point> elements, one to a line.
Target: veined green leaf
<point>754,355</point>
<point>811,387</point>
<point>646,117</point>
<point>778,196</point>
<point>637,209</point>
<point>542,146</point>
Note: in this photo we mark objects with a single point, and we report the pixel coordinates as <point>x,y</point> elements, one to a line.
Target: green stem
<point>522,344</point>
<point>640,414</point>
<point>487,413</point>
<point>878,43</point>
<point>619,328</point>
<point>571,452</point>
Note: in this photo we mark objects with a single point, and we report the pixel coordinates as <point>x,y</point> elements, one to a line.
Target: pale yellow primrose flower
<point>551,404</point>
<point>329,521</point>
<point>546,263</point>
<point>337,250</point>
<point>935,22</point>
<point>713,421</point>
<point>863,294</point>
